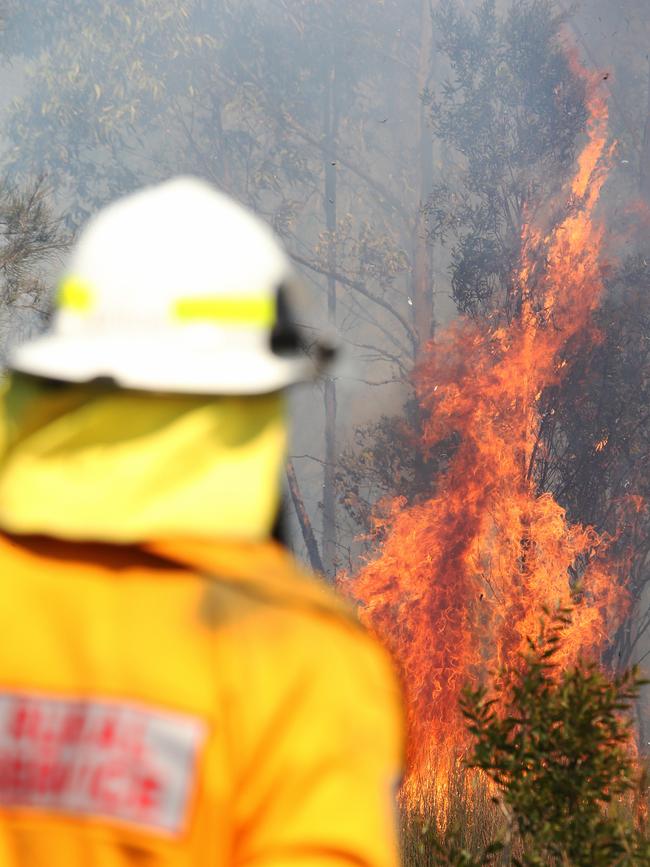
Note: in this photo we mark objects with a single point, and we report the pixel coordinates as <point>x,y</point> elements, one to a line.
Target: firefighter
<point>174,690</point>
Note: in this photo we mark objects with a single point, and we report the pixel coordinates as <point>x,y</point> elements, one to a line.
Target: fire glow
<point>460,580</point>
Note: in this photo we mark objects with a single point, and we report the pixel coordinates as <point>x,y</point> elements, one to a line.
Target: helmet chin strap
<point>280,531</point>
<point>288,339</point>
<point>285,336</point>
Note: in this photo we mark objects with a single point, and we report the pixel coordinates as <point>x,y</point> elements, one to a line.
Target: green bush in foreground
<point>560,759</point>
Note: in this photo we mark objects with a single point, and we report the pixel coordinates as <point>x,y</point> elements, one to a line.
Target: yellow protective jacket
<point>188,704</point>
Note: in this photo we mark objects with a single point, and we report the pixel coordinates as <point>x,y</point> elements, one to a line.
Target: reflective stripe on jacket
<point>188,704</point>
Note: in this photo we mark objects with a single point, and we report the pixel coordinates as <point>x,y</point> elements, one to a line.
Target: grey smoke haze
<point>310,113</point>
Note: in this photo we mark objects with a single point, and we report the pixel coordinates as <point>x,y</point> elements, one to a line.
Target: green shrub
<point>559,753</point>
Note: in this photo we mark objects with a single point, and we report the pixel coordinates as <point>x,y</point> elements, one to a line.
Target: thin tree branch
<point>306,527</point>
<point>361,289</point>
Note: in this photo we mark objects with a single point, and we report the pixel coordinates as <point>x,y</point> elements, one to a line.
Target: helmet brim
<point>146,363</point>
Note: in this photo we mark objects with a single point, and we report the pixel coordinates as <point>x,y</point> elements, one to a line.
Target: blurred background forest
<point>397,147</point>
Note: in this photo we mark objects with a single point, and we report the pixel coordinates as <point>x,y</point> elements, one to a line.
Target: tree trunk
<point>330,124</point>
<point>644,167</point>
<point>306,528</point>
<point>422,284</point>
<point>422,280</point>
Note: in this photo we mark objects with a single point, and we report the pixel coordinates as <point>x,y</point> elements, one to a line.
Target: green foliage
<point>560,757</point>
<point>231,91</point>
<point>552,777</point>
<point>105,92</point>
<point>511,111</point>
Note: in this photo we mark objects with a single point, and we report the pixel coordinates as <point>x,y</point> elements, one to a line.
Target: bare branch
<point>306,527</point>
<point>361,289</point>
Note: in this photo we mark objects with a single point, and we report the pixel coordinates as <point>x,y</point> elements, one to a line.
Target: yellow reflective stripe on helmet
<point>249,311</point>
<point>75,295</point>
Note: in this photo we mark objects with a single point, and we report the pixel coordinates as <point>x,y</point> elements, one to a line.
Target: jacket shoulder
<point>264,572</point>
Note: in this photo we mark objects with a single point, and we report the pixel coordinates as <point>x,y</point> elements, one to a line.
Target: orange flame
<point>461,580</point>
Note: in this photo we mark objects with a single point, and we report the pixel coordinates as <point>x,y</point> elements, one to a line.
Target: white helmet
<point>175,288</point>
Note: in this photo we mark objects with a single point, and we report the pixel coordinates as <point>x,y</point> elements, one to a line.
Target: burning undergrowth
<point>459,581</point>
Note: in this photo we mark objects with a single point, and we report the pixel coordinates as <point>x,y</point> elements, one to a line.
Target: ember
<point>460,581</point>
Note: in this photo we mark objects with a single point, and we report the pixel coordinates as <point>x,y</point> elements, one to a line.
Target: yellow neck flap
<point>98,463</point>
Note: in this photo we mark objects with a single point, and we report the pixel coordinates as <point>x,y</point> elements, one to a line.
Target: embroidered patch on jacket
<point>91,757</point>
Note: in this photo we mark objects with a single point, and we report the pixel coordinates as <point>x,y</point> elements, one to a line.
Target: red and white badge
<point>91,757</point>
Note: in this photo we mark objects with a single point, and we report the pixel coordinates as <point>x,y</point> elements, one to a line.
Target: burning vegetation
<point>459,580</point>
